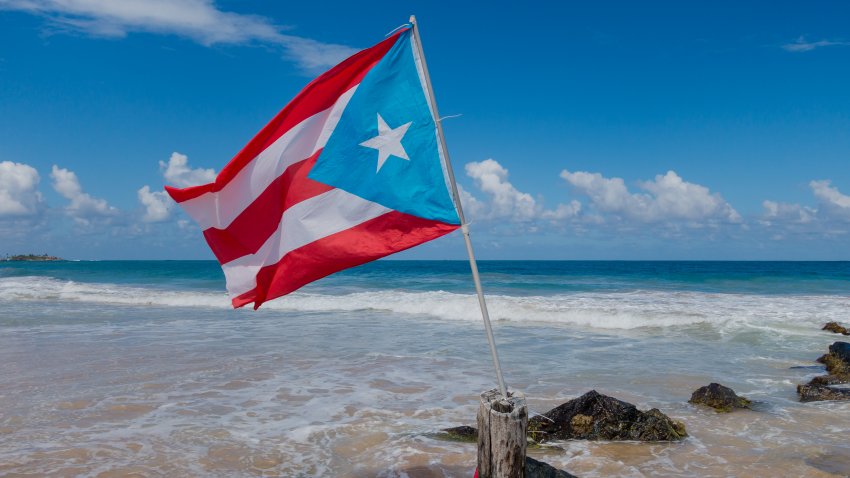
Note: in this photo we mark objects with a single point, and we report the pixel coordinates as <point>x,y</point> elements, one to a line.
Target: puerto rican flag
<point>351,170</point>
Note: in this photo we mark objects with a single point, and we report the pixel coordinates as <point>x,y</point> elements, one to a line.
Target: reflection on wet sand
<point>158,401</point>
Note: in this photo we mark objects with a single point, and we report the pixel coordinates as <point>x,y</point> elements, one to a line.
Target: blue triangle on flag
<point>387,119</point>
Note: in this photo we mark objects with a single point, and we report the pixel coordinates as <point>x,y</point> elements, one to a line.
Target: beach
<point>143,369</point>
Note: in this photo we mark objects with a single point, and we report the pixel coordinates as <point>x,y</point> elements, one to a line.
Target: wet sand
<point>140,392</point>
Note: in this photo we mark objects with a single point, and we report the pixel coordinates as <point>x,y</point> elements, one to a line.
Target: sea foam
<point>612,310</point>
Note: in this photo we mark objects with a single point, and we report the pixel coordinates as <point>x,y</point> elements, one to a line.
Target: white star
<point>388,142</point>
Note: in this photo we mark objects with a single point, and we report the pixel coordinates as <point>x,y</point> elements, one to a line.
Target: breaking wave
<point>612,310</point>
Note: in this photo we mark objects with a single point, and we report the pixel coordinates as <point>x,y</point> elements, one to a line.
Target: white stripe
<point>219,209</point>
<point>301,224</point>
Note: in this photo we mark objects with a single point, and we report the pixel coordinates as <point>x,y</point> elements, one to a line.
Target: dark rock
<point>830,379</point>
<point>813,392</point>
<point>461,433</point>
<point>594,416</point>
<point>538,469</point>
<point>841,351</point>
<point>718,397</point>
<point>837,363</point>
<point>835,327</point>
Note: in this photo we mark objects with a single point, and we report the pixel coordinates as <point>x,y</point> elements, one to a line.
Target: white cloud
<point>198,20</point>
<point>783,212</point>
<point>314,56</point>
<point>158,205</point>
<point>19,195</point>
<point>676,198</point>
<point>606,194</point>
<point>563,211</point>
<point>667,198</point>
<point>801,44</point>
<point>178,173</point>
<point>505,200</point>
<point>831,217</point>
<point>472,207</point>
<point>82,207</point>
<point>832,202</point>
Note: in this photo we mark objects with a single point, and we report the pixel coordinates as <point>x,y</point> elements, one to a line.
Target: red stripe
<point>250,230</point>
<point>387,234</point>
<point>319,95</point>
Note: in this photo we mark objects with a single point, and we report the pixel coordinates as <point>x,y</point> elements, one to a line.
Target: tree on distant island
<point>32,258</point>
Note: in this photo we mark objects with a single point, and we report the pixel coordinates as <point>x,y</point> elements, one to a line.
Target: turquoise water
<point>143,367</point>
<point>509,277</point>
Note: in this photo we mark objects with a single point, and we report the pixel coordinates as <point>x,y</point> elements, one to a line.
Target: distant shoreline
<point>31,258</point>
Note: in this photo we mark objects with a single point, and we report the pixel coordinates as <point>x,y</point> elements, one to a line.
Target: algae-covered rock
<point>841,351</point>
<point>462,433</point>
<point>830,379</point>
<point>837,363</point>
<point>812,392</point>
<point>720,398</point>
<point>594,416</point>
<point>837,328</point>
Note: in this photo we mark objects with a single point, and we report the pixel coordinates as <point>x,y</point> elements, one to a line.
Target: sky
<point>588,130</point>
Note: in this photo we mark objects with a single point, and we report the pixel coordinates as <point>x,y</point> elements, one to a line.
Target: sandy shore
<point>140,391</point>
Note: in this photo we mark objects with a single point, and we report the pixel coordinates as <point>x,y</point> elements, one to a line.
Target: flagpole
<point>464,227</point>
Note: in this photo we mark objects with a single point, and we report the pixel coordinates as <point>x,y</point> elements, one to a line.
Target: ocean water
<point>141,368</point>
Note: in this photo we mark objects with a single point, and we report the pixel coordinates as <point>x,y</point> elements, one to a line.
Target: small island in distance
<point>31,258</point>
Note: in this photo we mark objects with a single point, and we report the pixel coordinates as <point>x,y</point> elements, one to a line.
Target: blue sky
<point>603,130</point>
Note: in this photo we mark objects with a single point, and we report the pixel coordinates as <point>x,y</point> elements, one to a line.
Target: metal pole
<point>464,227</point>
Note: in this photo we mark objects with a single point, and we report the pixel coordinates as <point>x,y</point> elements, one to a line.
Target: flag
<point>351,170</point>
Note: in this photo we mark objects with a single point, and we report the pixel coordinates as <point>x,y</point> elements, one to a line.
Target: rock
<point>594,416</point>
<point>538,469</point>
<point>837,363</point>
<point>835,327</point>
<point>813,392</point>
<point>461,433</point>
<point>830,379</point>
<point>841,351</point>
<point>720,398</point>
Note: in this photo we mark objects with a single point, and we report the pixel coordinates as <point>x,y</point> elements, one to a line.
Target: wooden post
<point>502,426</point>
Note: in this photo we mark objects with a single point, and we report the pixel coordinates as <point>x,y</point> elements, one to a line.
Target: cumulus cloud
<point>19,195</point>
<point>783,212</point>
<point>563,211</point>
<point>801,44</point>
<point>829,218</point>
<point>667,198</point>
<point>199,20</point>
<point>178,173</point>
<point>157,204</point>
<point>472,207</point>
<point>82,207</point>
<point>832,202</point>
<point>505,200</point>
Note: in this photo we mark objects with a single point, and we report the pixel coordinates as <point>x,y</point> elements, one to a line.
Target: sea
<point>142,368</point>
